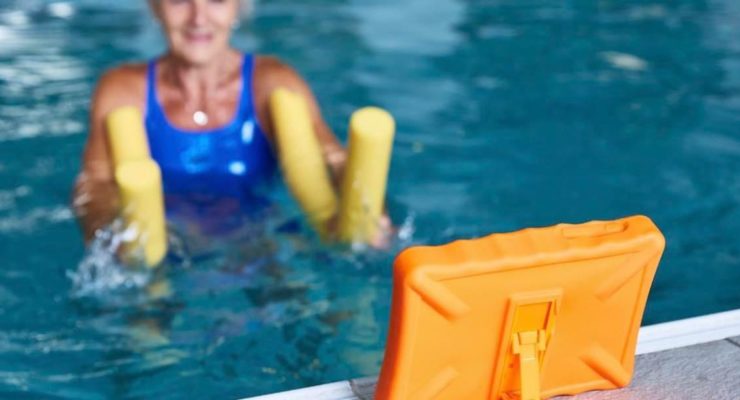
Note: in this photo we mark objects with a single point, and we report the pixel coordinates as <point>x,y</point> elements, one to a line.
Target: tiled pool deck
<point>696,358</point>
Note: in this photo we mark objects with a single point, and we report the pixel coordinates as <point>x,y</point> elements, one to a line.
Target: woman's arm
<point>95,195</point>
<point>270,74</point>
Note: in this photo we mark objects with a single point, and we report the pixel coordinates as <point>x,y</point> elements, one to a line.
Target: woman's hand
<point>95,203</point>
<point>384,236</point>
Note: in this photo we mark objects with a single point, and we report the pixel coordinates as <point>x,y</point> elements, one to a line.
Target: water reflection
<point>39,78</point>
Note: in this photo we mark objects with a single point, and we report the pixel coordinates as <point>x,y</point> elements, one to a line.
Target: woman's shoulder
<point>268,62</point>
<point>122,85</point>
<point>272,70</point>
<point>271,73</point>
<point>126,76</point>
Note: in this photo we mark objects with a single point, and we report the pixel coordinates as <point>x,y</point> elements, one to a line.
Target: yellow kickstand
<point>527,346</point>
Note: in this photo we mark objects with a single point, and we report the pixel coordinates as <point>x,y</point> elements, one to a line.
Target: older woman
<point>206,112</point>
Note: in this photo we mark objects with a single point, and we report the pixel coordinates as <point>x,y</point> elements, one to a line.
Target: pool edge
<point>651,339</point>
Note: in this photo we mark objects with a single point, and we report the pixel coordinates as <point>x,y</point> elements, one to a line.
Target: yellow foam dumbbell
<point>301,159</point>
<point>365,179</point>
<point>139,181</point>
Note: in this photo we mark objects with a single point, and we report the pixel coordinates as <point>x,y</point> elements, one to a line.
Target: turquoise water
<point>510,114</point>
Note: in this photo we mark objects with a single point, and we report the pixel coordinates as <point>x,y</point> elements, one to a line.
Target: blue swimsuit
<point>200,168</point>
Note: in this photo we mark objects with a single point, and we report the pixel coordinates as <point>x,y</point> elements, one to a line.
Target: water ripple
<point>29,222</point>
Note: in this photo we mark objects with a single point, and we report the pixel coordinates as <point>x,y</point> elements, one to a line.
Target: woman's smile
<point>198,36</point>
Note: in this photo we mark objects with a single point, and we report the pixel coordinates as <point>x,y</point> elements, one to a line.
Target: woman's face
<point>197,30</point>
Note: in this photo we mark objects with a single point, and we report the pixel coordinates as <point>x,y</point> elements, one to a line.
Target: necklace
<point>200,118</point>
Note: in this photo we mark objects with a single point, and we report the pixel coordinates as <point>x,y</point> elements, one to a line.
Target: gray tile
<point>704,371</point>
<point>363,389</point>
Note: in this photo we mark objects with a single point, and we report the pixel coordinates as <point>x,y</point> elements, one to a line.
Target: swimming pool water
<point>510,114</point>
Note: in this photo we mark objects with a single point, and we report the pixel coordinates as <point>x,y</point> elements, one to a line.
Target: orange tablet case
<point>538,312</point>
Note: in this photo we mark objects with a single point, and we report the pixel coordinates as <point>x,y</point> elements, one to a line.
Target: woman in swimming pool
<point>206,114</point>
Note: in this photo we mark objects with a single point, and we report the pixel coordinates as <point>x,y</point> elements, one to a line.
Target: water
<point>510,114</point>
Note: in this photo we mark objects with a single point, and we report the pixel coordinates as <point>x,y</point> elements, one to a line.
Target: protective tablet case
<point>538,312</point>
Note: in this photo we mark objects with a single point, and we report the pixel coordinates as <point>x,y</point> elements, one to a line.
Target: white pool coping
<point>688,332</point>
<point>651,339</point>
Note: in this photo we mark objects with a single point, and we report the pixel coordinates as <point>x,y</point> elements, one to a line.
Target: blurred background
<point>511,114</point>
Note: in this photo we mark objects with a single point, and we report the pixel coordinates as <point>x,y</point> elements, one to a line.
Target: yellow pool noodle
<point>126,135</point>
<point>140,189</point>
<point>139,181</point>
<point>366,174</point>
<point>301,159</point>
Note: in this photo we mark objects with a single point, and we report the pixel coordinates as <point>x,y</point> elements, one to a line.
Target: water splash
<point>100,271</point>
<point>406,230</point>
